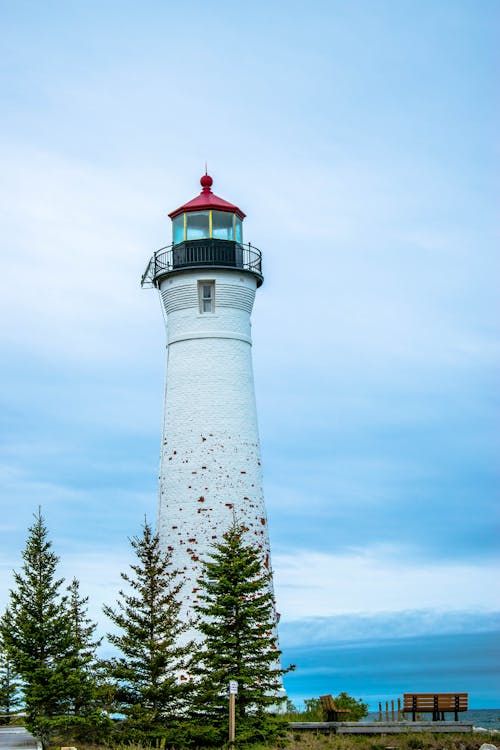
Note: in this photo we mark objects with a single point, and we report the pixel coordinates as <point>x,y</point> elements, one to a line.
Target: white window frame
<point>206,303</point>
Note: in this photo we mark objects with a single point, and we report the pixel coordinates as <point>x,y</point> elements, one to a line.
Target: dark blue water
<point>486,718</point>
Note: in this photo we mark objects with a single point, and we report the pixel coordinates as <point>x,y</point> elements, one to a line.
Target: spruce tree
<point>10,695</point>
<point>38,637</point>
<point>238,625</point>
<point>90,722</point>
<point>82,627</point>
<point>149,675</point>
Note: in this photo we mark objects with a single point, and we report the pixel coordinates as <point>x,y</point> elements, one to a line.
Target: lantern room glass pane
<point>178,229</point>
<point>222,225</point>
<point>197,226</point>
<point>239,230</point>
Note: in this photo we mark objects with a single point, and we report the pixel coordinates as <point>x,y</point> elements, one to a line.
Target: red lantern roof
<point>207,200</point>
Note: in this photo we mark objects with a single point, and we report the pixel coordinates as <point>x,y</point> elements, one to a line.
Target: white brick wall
<point>210,465</point>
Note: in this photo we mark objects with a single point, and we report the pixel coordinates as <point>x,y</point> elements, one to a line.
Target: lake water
<point>487,718</point>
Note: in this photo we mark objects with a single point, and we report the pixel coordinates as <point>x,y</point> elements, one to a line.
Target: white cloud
<point>75,239</point>
<point>379,579</point>
<point>384,626</point>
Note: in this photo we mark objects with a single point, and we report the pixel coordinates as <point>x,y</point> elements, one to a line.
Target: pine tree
<point>10,696</point>
<point>90,722</point>
<point>38,637</point>
<point>82,627</point>
<point>150,674</point>
<point>238,623</point>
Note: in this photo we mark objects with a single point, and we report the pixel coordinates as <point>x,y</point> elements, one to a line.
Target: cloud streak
<point>370,627</point>
<point>379,579</point>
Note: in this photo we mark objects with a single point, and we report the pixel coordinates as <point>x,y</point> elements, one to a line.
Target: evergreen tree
<point>89,722</point>
<point>10,696</point>
<point>238,623</point>
<point>82,627</point>
<point>38,637</point>
<point>150,674</point>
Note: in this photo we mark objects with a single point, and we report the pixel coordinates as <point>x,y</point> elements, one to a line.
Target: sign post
<point>233,690</point>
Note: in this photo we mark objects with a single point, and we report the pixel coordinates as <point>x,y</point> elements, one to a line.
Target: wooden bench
<point>435,703</point>
<point>330,709</point>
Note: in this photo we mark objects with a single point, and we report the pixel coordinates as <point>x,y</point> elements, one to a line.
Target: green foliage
<point>84,661</point>
<point>313,710</point>
<point>146,675</point>
<point>88,720</point>
<point>82,627</point>
<point>39,638</point>
<point>10,695</point>
<point>357,709</point>
<point>238,625</point>
<point>413,743</point>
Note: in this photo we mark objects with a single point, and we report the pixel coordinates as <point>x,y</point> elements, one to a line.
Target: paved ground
<point>16,738</point>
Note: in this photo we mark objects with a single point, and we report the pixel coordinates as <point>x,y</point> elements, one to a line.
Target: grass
<point>309,741</point>
<point>408,741</point>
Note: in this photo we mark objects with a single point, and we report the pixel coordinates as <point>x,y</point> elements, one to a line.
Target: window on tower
<point>223,225</point>
<point>197,225</point>
<point>238,233</point>
<point>206,292</point>
<point>178,229</point>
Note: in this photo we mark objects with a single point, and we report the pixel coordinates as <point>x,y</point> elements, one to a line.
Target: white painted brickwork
<point>185,296</point>
<point>210,465</point>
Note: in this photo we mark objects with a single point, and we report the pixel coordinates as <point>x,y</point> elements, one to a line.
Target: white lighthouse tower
<point>210,468</point>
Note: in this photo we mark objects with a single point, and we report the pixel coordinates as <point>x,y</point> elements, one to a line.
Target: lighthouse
<point>210,464</point>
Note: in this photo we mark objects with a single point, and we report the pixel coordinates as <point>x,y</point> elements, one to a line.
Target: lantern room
<point>207,217</point>
<point>207,232</point>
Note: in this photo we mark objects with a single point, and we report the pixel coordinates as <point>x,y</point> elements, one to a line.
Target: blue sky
<point>360,139</point>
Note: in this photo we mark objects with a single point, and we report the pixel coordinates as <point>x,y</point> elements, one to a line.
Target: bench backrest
<point>327,703</point>
<point>435,701</point>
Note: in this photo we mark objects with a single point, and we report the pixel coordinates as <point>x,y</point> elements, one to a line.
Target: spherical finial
<point>206,182</point>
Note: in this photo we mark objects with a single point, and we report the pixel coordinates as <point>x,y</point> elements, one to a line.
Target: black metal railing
<point>199,253</point>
